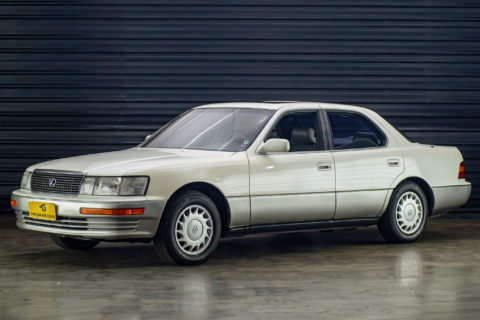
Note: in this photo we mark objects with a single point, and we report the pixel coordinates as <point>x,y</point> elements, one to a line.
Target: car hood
<point>130,161</point>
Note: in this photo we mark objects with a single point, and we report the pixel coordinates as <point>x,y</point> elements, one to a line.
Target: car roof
<point>276,105</point>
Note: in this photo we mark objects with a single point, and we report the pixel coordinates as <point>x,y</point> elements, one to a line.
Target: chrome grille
<point>63,182</point>
<point>81,224</point>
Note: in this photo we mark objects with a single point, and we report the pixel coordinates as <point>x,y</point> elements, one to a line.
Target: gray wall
<point>87,76</point>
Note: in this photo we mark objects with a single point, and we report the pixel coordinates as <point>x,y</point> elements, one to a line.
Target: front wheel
<point>190,230</point>
<point>73,244</point>
<point>406,216</point>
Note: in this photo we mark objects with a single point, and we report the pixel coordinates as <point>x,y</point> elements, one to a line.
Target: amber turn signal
<point>112,212</point>
<point>461,171</point>
<point>13,203</point>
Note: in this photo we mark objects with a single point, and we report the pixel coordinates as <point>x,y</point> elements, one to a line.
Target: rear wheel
<point>406,216</point>
<point>73,244</point>
<point>190,230</point>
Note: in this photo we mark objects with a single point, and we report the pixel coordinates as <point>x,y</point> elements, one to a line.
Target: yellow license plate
<point>42,210</point>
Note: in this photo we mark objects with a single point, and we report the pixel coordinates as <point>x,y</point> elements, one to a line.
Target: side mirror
<point>275,145</point>
<point>146,138</point>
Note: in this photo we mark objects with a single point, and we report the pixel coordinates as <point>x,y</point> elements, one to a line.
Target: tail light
<point>461,171</point>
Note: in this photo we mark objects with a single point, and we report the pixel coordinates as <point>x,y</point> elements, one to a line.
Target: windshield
<point>219,129</point>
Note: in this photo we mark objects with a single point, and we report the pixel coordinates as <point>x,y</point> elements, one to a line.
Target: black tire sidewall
<point>397,233</point>
<point>166,237</point>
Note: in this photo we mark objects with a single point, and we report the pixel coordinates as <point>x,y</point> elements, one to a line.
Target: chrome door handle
<point>324,166</point>
<point>393,162</point>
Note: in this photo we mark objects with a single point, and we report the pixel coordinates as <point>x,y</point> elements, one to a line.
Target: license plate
<point>42,210</point>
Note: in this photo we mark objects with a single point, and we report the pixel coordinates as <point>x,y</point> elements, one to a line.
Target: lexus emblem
<point>52,182</point>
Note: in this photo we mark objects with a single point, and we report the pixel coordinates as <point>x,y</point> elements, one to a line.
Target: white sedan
<point>238,168</point>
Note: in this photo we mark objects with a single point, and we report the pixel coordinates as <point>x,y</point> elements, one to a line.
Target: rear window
<point>353,131</point>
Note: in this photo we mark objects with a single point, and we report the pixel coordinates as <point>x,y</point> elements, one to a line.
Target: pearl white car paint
<point>260,187</point>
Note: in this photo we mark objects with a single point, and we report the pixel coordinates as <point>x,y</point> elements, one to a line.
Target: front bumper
<point>71,223</point>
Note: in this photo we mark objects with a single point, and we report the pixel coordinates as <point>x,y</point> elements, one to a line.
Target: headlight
<point>134,186</point>
<point>107,186</point>
<point>114,186</point>
<point>27,177</point>
<point>87,185</point>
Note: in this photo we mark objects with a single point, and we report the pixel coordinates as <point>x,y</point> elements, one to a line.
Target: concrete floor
<point>311,275</point>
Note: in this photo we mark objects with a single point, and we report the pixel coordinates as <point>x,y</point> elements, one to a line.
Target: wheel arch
<point>426,189</point>
<point>213,193</point>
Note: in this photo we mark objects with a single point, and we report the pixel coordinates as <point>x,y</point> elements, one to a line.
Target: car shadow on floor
<point>249,248</point>
<point>311,245</point>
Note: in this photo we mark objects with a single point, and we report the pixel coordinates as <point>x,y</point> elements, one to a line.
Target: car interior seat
<point>303,139</point>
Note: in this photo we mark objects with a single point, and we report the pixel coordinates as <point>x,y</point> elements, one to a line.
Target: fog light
<point>112,212</point>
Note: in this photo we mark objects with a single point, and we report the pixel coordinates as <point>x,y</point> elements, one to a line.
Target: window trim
<point>320,124</point>
<point>357,113</point>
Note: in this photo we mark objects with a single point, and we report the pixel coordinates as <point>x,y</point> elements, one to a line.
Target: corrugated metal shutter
<point>87,76</point>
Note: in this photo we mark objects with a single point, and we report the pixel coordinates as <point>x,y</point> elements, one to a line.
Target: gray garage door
<point>87,76</point>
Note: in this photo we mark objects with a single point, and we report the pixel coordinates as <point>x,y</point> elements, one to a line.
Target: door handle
<point>324,166</point>
<point>393,162</point>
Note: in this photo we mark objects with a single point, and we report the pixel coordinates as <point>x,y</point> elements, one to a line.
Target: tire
<point>406,215</point>
<point>74,244</point>
<point>189,230</point>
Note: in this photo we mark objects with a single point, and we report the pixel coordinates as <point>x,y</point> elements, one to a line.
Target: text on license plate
<point>42,210</point>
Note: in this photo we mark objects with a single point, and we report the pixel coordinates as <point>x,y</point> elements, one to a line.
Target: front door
<point>298,185</point>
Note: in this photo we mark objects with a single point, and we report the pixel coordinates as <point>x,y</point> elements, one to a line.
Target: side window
<point>301,129</point>
<point>352,131</point>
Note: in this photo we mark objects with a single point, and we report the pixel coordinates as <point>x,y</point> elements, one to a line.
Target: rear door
<point>366,164</point>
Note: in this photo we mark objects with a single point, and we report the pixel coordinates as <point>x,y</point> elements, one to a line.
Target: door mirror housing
<point>274,145</point>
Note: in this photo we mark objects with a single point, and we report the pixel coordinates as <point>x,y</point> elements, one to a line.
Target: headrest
<point>303,136</point>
